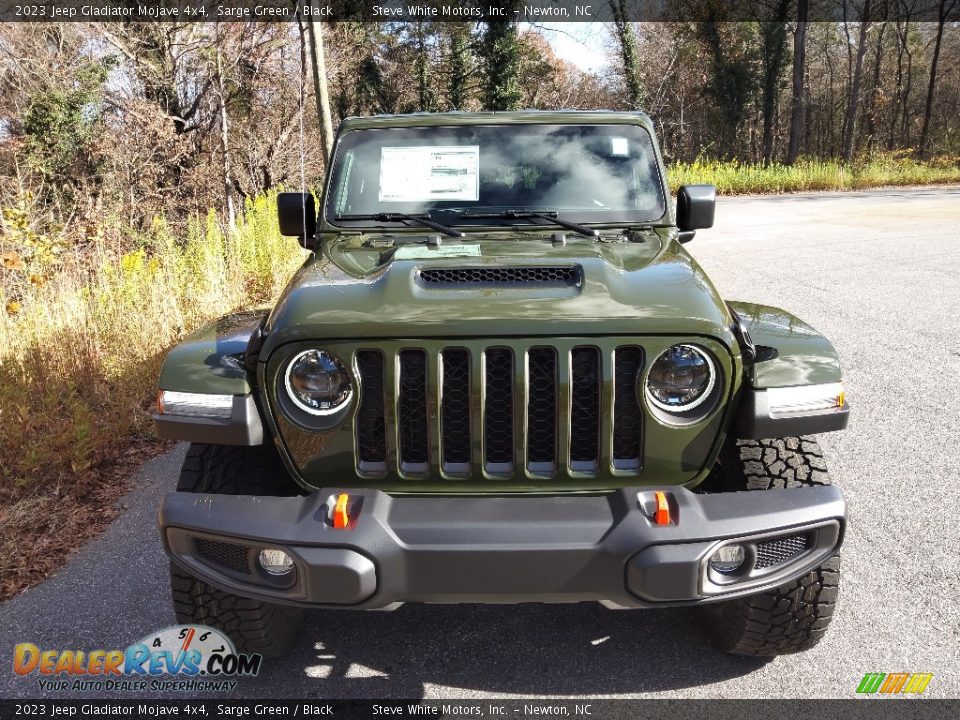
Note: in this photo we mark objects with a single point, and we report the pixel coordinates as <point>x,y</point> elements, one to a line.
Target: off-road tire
<point>235,470</point>
<point>253,625</point>
<point>793,617</point>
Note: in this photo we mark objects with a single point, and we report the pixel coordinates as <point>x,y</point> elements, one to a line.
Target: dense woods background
<point>138,164</point>
<point>129,120</point>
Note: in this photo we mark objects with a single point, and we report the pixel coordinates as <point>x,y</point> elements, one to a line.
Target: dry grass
<point>893,169</point>
<point>80,352</point>
<point>42,528</point>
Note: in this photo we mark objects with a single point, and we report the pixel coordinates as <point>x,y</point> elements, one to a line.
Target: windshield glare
<point>586,173</point>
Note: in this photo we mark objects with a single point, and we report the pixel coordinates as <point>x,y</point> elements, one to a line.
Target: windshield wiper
<point>548,215</point>
<point>403,217</point>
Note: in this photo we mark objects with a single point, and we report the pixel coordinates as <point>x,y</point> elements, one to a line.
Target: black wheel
<point>253,625</point>
<point>793,617</point>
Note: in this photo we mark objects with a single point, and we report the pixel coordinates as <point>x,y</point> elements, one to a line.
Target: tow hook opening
<point>342,510</point>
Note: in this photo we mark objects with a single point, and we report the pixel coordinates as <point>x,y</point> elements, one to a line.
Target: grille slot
<point>229,555</point>
<point>585,408</point>
<point>775,552</point>
<point>412,410</point>
<point>627,418</point>
<point>542,409</point>
<point>371,426</point>
<point>558,276</point>
<point>498,411</point>
<point>455,410</point>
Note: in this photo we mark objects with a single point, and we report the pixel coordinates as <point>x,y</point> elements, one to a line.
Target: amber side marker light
<point>662,514</point>
<point>341,519</point>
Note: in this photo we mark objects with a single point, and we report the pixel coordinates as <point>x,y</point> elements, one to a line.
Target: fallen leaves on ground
<point>40,532</point>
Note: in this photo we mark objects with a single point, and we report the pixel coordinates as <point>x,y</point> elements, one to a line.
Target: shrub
<point>80,351</point>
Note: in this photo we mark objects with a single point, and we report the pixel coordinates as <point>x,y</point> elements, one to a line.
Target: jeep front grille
<point>455,409</point>
<point>412,411</point>
<point>371,432</point>
<point>585,408</point>
<point>503,411</point>
<point>627,414</point>
<point>542,409</point>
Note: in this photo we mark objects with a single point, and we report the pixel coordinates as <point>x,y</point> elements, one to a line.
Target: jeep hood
<point>350,290</point>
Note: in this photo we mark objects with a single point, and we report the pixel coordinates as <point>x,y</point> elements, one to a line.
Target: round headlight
<point>318,383</point>
<point>680,379</point>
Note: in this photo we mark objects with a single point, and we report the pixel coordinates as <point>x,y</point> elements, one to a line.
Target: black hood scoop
<point>514,276</point>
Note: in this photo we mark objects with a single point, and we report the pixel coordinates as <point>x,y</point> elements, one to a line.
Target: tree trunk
<point>501,56</point>
<point>459,66</point>
<point>422,68</point>
<point>799,60</point>
<point>731,85</point>
<point>627,41</point>
<point>850,121</point>
<point>774,58</point>
<point>872,131</point>
<point>895,111</point>
<point>907,87</point>
<point>942,11</point>
<point>320,85</point>
<point>224,138</point>
<point>827,140</point>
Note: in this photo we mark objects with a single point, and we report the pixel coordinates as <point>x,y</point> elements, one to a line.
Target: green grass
<point>735,178</point>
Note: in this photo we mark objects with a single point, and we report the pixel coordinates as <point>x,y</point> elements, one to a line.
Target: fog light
<point>275,562</point>
<point>728,558</point>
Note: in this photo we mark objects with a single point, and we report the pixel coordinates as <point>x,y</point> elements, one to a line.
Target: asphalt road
<point>878,273</point>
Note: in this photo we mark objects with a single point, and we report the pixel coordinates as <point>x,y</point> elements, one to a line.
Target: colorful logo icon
<point>894,683</point>
<point>189,650</point>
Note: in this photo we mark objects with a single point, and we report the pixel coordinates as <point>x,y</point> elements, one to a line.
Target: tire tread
<point>795,616</point>
<point>253,625</point>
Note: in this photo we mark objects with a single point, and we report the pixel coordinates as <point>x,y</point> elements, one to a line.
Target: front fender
<point>795,385</point>
<point>803,357</point>
<point>210,362</point>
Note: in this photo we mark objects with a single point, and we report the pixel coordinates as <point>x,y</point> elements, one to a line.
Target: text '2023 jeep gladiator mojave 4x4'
<point>500,377</point>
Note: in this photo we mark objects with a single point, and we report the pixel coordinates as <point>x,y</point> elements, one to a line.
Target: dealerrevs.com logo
<point>182,657</point>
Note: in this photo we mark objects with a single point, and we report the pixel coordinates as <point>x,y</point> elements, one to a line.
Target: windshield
<point>584,173</point>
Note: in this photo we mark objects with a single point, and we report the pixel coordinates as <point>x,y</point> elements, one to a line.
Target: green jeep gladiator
<point>499,377</point>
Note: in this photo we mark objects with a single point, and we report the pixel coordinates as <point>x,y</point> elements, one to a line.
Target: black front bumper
<point>508,549</point>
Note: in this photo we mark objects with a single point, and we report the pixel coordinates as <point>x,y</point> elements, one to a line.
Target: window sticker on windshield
<point>425,174</point>
<point>619,147</point>
<point>422,252</point>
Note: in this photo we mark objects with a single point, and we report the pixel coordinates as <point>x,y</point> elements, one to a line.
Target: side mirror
<point>297,214</point>
<point>695,209</point>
